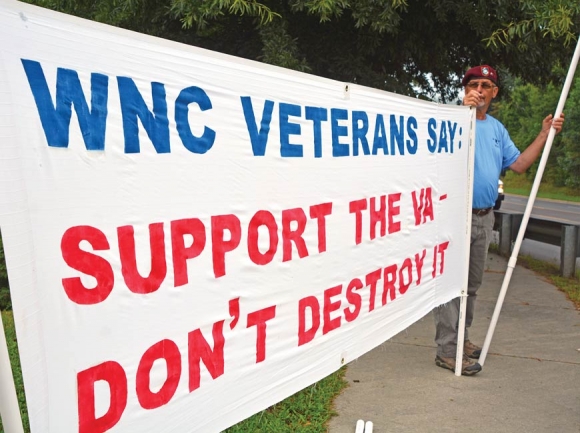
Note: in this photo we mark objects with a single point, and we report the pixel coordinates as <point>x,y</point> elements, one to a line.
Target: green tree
<point>522,111</point>
<point>413,47</point>
<point>567,167</point>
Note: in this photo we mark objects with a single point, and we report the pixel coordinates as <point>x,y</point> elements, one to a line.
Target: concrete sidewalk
<point>530,381</point>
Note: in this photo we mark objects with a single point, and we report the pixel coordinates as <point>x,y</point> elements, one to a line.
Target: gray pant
<point>447,315</point>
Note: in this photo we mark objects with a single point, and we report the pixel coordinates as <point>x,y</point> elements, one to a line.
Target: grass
<point>550,271</point>
<point>522,185</point>
<point>570,286</point>
<point>10,332</point>
<point>307,411</point>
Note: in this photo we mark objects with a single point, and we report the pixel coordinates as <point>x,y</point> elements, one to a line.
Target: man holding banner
<point>494,152</point>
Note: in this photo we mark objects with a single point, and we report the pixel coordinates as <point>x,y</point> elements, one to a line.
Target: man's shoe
<point>468,367</point>
<point>471,350</point>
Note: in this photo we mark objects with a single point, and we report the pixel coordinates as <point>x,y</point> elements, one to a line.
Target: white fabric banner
<point>191,237</point>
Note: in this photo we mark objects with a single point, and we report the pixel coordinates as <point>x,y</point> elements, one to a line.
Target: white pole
<point>469,216</point>
<point>461,333</point>
<point>514,257</point>
<point>9,410</point>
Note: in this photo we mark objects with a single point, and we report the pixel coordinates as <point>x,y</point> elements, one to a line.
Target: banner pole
<point>9,410</point>
<point>469,216</point>
<point>536,185</point>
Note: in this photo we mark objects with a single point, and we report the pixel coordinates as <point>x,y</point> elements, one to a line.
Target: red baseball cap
<point>483,71</point>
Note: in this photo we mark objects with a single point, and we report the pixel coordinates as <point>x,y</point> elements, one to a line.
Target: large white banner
<point>191,237</point>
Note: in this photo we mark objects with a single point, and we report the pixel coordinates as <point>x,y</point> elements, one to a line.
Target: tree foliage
<point>522,111</point>
<point>567,167</point>
<point>413,47</point>
<point>547,18</point>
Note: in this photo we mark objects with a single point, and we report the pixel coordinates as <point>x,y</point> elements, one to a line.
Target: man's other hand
<point>550,121</point>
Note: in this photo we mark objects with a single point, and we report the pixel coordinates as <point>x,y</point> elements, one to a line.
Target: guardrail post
<point>507,224</point>
<point>568,251</point>
<point>505,234</point>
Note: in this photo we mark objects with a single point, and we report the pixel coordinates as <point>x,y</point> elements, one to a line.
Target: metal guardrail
<point>566,236</point>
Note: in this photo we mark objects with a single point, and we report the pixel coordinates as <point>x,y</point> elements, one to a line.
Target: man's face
<point>486,88</point>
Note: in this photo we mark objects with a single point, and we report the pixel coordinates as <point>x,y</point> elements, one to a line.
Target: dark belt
<point>481,212</point>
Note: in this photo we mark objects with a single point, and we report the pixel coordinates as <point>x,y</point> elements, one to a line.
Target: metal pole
<point>9,409</point>
<point>514,257</point>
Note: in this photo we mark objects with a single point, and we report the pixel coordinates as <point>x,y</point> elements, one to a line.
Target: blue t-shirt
<point>494,151</point>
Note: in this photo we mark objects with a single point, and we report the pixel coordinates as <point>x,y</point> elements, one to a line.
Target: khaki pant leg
<point>447,315</point>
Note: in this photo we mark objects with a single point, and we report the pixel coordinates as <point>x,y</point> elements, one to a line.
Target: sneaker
<point>471,350</point>
<point>468,367</point>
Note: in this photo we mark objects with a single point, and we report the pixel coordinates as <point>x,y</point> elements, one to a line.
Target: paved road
<point>563,211</point>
